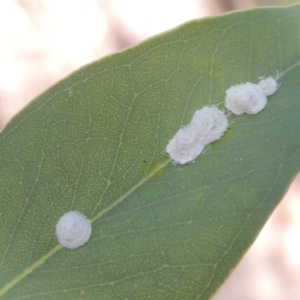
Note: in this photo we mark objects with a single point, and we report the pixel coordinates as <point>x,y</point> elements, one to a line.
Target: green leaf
<point>95,143</point>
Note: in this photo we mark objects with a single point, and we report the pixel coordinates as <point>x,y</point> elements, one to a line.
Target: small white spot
<point>208,125</point>
<point>73,230</point>
<point>250,98</point>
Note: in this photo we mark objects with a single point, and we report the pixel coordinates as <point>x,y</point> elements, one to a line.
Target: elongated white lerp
<point>73,230</point>
<point>250,98</point>
<point>208,125</point>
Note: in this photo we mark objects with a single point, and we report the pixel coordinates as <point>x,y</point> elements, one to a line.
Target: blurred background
<point>42,41</point>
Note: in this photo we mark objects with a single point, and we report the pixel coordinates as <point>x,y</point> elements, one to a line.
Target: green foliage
<point>95,143</point>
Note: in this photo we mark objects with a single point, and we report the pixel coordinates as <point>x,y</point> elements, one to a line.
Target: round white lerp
<point>210,123</point>
<point>269,85</point>
<point>185,146</point>
<point>73,230</point>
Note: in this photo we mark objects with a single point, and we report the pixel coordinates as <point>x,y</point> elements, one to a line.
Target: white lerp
<point>250,98</point>
<point>185,146</point>
<point>269,85</point>
<point>208,125</point>
<point>73,229</point>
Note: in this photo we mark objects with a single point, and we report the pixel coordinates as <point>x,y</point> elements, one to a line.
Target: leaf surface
<point>95,143</point>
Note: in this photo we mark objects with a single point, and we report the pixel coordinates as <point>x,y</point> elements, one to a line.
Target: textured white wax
<point>247,98</point>
<point>268,85</point>
<point>185,146</point>
<point>250,98</point>
<point>208,125</point>
<point>73,230</point>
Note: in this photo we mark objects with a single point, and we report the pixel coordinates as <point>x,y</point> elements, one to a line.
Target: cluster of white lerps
<point>209,123</point>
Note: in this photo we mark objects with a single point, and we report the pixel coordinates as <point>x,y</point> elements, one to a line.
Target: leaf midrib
<point>58,247</point>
